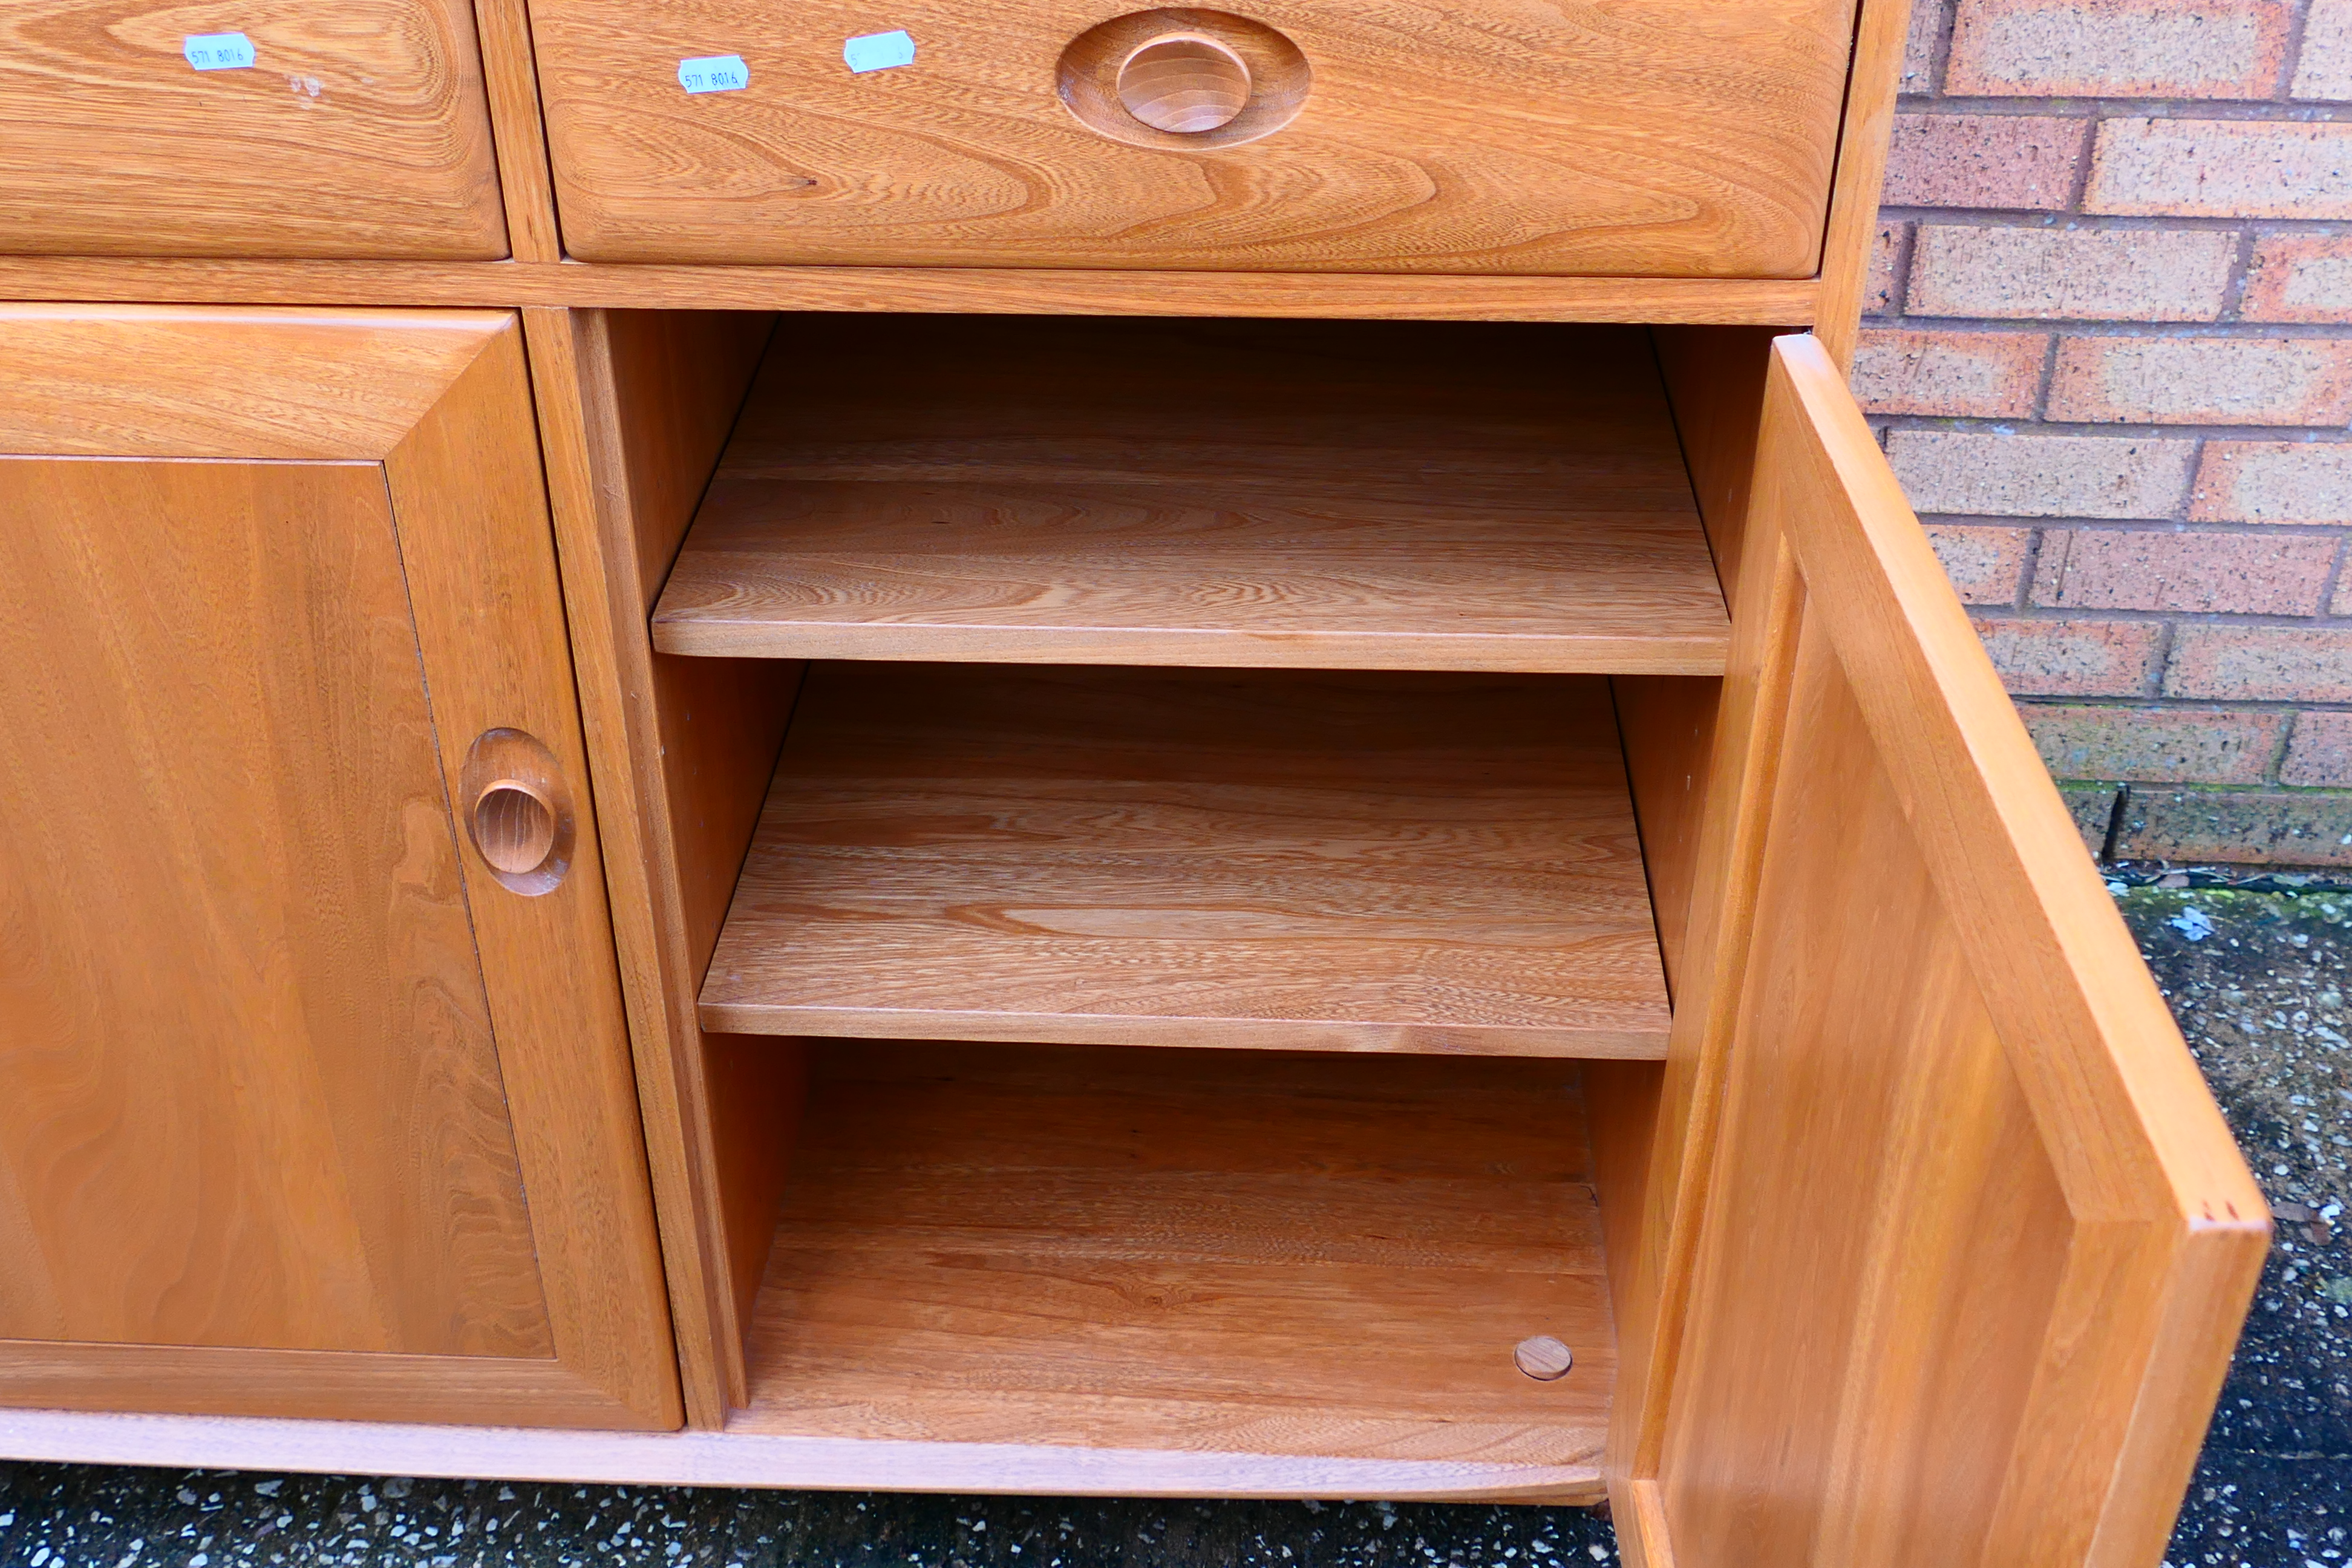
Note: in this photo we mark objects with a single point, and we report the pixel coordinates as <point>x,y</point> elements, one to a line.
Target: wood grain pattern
<point>634,410</point>
<point>1962,1145</point>
<point>1715,383</point>
<point>145,381</point>
<point>1303,861</point>
<point>1668,726</point>
<point>935,290</point>
<point>468,485</point>
<point>1669,137</point>
<point>1186,1250</point>
<point>245,881</point>
<point>397,525</point>
<point>741,1457</point>
<point>1390,496</point>
<point>360,130</point>
<point>510,81</point>
<point>1882,31</point>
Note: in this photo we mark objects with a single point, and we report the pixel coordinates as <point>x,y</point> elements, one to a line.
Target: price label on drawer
<point>714,73</point>
<point>878,51</point>
<point>217,51</point>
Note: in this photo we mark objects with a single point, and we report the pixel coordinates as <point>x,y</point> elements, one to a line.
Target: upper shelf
<point>1302,494</point>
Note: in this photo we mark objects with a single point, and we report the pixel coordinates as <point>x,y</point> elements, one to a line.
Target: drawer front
<point>1662,138</point>
<point>358,129</point>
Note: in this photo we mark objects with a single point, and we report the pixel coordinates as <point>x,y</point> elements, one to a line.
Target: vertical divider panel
<point>636,408</point>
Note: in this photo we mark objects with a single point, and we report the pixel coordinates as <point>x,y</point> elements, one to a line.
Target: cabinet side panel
<point>635,408</point>
<point>251,1097</point>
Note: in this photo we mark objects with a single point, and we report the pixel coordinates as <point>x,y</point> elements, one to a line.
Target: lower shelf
<point>1131,1257</point>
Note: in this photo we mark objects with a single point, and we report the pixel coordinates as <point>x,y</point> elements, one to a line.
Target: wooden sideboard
<point>1173,751</point>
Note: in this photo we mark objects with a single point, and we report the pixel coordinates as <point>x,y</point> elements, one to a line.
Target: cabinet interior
<point>933,659</point>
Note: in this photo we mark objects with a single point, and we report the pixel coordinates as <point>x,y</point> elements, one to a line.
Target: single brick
<point>2043,274</point>
<point>2320,752</point>
<point>2203,381</point>
<point>2155,746</point>
<point>2093,808</point>
<point>2324,70</point>
<point>1919,46</point>
<point>1986,375</point>
<point>2273,481</point>
<point>2075,658</point>
<point>2342,604</point>
<point>2221,168</point>
<point>2300,278</point>
<point>2025,162</point>
<point>2237,827</point>
<point>2039,476</point>
<point>2117,49</point>
<point>2197,574</point>
<point>1886,255</point>
<point>1986,565</point>
<point>2261,664</point>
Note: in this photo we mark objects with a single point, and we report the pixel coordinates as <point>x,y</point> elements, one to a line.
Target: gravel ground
<point>2258,980</point>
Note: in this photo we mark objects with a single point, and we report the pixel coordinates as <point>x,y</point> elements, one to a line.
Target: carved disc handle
<point>1185,83</point>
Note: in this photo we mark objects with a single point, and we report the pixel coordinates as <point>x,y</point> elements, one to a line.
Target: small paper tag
<point>217,51</point>
<point>878,51</point>
<point>714,73</point>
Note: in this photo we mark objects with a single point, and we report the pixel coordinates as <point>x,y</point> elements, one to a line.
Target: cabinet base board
<point>737,1458</point>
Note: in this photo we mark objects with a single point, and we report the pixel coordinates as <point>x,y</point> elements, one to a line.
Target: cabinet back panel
<point>360,130</point>
<point>1660,138</point>
<point>249,1091</point>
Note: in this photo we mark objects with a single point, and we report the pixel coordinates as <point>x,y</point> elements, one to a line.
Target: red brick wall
<point>2110,345</point>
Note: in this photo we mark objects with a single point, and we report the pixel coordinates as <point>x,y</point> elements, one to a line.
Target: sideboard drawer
<point>260,128</point>
<point>1660,138</point>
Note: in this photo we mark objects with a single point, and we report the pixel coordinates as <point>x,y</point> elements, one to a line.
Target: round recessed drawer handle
<point>1184,83</point>
<point>517,808</point>
<point>514,826</point>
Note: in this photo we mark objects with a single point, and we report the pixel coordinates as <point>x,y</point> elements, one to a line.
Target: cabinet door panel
<point>237,945</point>
<point>1974,1242</point>
<point>303,1110</point>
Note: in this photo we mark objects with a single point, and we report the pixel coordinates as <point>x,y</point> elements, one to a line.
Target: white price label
<point>217,51</point>
<point>714,73</point>
<point>878,51</point>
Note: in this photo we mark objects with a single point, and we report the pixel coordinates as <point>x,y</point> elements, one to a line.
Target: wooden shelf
<point>1150,1251</point>
<point>1303,494</point>
<point>1287,859</point>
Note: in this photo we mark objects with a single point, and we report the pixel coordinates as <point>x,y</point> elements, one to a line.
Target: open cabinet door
<point>1972,1241</point>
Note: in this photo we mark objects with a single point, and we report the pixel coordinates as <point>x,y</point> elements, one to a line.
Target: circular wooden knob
<point>1184,83</point>
<point>1543,1358</point>
<point>514,826</point>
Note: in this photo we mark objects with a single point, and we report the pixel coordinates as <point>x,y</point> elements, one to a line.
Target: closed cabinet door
<point>256,128</point>
<point>315,1096</point>
<point>1969,1256</point>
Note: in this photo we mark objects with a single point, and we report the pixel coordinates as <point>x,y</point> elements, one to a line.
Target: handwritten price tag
<point>217,51</point>
<point>714,73</point>
<point>878,51</point>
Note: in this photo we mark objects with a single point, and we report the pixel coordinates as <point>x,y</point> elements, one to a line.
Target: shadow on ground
<point>2258,980</point>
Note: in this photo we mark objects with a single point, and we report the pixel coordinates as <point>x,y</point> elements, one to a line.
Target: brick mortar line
<point>2166,332</point>
<point>2074,222</point>
<point>2230,110</point>
<point>2226,620</point>
<point>2118,430</point>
